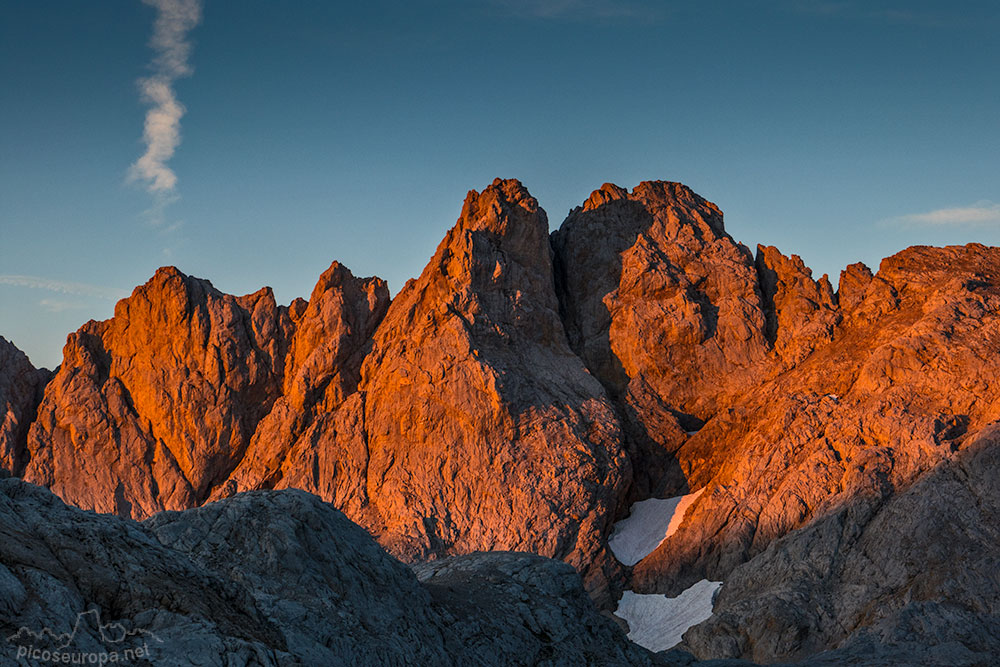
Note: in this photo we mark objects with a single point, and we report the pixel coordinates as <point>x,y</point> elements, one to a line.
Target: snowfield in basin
<point>657,622</point>
<point>649,522</point>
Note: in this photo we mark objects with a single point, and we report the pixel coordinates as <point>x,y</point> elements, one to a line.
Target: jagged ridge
<point>524,390</point>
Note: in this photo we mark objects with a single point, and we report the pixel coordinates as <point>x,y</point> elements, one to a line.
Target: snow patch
<point>657,622</point>
<point>649,523</point>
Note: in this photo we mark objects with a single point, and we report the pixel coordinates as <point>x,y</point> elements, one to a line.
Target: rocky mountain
<point>454,420</point>
<point>526,389</point>
<point>154,408</point>
<point>21,387</point>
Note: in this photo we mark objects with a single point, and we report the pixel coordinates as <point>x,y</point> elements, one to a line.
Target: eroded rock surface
<point>462,421</point>
<point>902,579</point>
<point>278,578</point>
<point>58,563</point>
<point>155,408</point>
<point>484,430</point>
<point>152,408</point>
<point>312,438</point>
<point>663,307</point>
<point>21,386</point>
<point>830,400</point>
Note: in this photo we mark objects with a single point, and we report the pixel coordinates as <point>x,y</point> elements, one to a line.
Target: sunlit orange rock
<point>907,380</point>
<point>21,386</point>
<point>484,430</point>
<point>664,307</point>
<point>155,408</point>
<point>152,408</point>
<point>460,422</point>
<point>526,388</point>
<point>801,312</point>
<point>312,438</point>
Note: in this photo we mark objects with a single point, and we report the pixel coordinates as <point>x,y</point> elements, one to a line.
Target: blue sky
<point>314,131</point>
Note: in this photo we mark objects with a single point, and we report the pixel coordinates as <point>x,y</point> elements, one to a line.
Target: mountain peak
<point>499,202</point>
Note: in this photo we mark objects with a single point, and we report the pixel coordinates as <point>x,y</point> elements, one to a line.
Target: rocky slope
<point>526,389</point>
<point>903,384</point>
<point>825,401</point>
<point>905,387</point>
<point>663,307</point>
<point>276,578</point>
<point>904,579</point>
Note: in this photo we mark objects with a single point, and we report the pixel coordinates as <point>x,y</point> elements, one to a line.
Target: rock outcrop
<point>21,386</point>
<point>276,578</point>
<point>902,579</point>
<point>663,306</point>
<point>155,408</point>
<point>313,437</point>
<point>824,401</point>
<point>152,408</point>
<point>484,430</point>
<point>460,422</point>
<point>801,312</point>
<point>905,386</point>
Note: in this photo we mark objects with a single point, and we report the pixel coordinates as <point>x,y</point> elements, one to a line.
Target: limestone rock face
<point>656,292</point>
<point>664,307</point>
<point>151,409</point>
<point>906,386</point>
<point>312,438</point>
<point>521,393</point>
<point>484,430</point>
<point>854,280</point>
<point>58,563</point>
<point>528,609</point>
<point>457,419</point>
<point>154,408</point>
<point>830,401</point>
<point>277,578</point>
<point>21,386</point>
<point>336,595</point>
<point>801,313</point>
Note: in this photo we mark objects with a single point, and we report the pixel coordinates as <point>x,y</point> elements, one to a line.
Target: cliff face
<point>838,454</point>
<point>483,429</point>
<point>151,408</point>
<point>462,421</point>
<point>906,381</point>
<point>21,386</point>
<point>664,308</point>
<point>526,388</point>
<point>313,436</point>
<point>154,408</point>
<point>883,578</point>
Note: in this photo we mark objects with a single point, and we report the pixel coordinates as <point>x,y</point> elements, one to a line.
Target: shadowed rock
<point>21,386</point>
<point>278,578</point>
<point>663,307</point>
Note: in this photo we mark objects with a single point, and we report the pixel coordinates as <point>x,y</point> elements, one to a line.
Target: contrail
<point>162,133</point>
